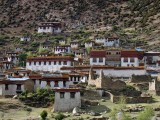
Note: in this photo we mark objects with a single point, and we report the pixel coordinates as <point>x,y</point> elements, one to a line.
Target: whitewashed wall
<point>117,73</point>
<point>11,89</point>
<point>97,62</point>
<point>47,67</point>
<point>66,103</point>
<point>135,63</point>
<point>43,84</point>
<point>100,40</point>
<point>88,44</point>
<point>112,43</point>
<point>47,30</point>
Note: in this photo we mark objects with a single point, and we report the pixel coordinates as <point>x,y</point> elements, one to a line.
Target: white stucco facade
<point>77,79</point>
<point>74,45</point>
<point>12,89</point>
<point>26,39</point>
<point>121,72</point>
<point>88,44</point>
<point>67,103</point>
<point>48,30</point>
<point>44,84</point>
<point>110,43</point>
<point>126,62</point>
<point>62,49</point>
<point>49,66</point>
<point>97,61</point>
<point>100,40</point>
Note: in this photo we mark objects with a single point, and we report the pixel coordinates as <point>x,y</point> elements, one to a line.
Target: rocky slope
<point>140,17</point>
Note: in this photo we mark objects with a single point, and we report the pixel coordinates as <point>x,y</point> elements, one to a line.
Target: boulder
<point>15,97</point>
<point>76,111</point>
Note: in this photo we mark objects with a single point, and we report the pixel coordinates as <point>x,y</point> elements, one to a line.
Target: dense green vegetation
<point>40,98</point>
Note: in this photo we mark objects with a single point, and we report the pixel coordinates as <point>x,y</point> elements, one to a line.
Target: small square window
<point>131,59</point>
<point>54,62</point>
<point>56,84</point>
<point>61,94</point>
<point>18,86</point>
<point>45,63</point>
<point>59,62</point>
<point>49,62</point>
<point>65,62</point>
<point>6,87</point>
<point>72,95</point>
<point>94,59</point>
<point>100,59</point>
<point>125,60</point>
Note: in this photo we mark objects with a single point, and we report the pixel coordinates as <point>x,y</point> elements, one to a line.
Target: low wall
<point>6,96</point>
<point>154,92</point>
<point>116,99</point>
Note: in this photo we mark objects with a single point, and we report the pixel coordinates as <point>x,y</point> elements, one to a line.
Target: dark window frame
<point>6,87</point>
<point>94,59</point>
<point>62,94</point>
<point>132,60</point>
<point>100,60</point>
<point>72,94</point>
<point>125,60</point>
<point>19,87</point>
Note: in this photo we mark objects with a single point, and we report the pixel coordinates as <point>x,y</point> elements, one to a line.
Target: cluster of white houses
<point>70,65</point>
<point>51,64</point>
<point>61,72</point>
<point>50,27</point>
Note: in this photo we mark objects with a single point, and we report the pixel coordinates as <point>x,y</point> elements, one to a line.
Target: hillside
<point>135,19</point>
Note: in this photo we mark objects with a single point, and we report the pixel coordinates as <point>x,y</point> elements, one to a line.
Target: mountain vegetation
<point>134,21</point>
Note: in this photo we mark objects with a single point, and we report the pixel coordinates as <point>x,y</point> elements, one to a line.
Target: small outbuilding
<point>66,99</point>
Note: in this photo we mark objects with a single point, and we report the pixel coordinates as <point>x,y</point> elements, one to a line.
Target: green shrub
<point>146,114</point>
<point>59,116</point>
<point>44,114</point>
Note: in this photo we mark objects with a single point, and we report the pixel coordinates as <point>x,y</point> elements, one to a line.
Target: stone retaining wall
<point>116,99</point>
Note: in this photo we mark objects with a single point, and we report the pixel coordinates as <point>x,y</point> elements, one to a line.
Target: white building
<point>108,42</point>
<point>62,42</point>
<point>5,65</point>
<point>12,57</point>
<point>112,42</point>
<point>132,58</point>
<point>51,64</point>
<point>50,80</point>
<point>26,39</point>
<point>125,72</point>
<point>97,57</point>
<point>78,77</point>
<point>50,27</point>
<point>66,99</point>
<point>100,40</point>
<point>89,44</point>
<point>151,58</point>
<point>62,49</point>
<point>14,87</point>
<point>74,44</point>
<point>80,53</point>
